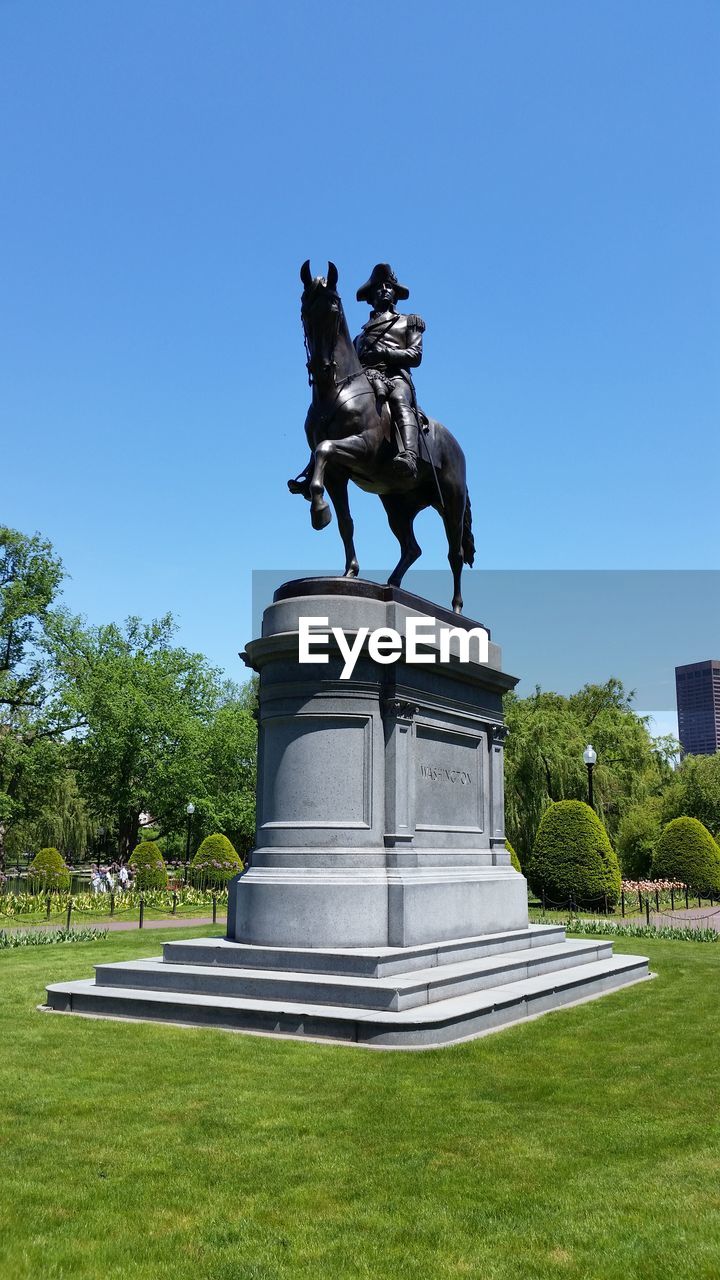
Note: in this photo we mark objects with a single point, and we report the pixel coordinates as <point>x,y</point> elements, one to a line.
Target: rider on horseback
<point>388,347</point>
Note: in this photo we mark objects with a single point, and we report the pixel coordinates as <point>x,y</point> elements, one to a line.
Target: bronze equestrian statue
<point>364,424</point>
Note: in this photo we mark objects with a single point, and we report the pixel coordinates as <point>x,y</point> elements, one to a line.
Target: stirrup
<point>406,463</point>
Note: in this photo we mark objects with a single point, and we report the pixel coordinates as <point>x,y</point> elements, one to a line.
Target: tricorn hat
<point>382,274</point>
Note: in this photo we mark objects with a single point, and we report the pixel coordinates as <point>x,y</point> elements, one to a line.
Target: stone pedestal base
<point>395,907</point>
<point>380,797</point>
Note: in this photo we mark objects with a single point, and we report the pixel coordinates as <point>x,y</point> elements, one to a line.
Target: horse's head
<point>323,318</point>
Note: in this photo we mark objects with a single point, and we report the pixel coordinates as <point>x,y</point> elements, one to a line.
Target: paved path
<point>120,926</point>
<point>692,918</point>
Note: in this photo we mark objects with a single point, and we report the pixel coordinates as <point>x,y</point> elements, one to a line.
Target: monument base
<point>381,907</point>
<point>380,790</point>
<point>404,998</point>
<point>374,907</point>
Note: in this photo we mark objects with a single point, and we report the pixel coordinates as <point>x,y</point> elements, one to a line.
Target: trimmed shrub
<point>149,866</point>
<point>573,860</point>
<point>215,862</point>
<point>686,851</point>
<point>48,872</point>
<point>513,857</point>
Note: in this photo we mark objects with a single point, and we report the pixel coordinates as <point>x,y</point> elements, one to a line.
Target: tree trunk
<point>128,834</point>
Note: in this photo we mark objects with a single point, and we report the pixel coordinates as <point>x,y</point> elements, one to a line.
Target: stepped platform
<point>395,997</point>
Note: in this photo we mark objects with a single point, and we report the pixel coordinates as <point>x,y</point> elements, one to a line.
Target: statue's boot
<point>405,464</point>
<point>301,484</point>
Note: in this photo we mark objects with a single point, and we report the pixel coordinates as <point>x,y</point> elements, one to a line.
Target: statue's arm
<point>410,356</point>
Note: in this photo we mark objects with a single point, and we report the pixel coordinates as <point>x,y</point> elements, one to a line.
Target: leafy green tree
<point>694,792</point>
<point>548,733</point>
<point>572,859</point>
<point>34,718</point>
<point>147,707</point>
<point>638,833</point>
<point>226,799</point>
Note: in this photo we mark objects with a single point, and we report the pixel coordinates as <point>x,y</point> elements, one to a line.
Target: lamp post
<point>189,811</point>
<point>590,758</point>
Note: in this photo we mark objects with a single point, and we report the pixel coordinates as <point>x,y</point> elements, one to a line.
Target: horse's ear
<point>332,276</point>
<point>305,273</point>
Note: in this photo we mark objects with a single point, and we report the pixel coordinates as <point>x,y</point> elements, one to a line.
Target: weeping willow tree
<point>543,763</point>
<point>63,823</point>
<point>548,733</point>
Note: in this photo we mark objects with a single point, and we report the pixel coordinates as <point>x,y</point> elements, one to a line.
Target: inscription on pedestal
<point>449,793</point>
<point>433,774</point>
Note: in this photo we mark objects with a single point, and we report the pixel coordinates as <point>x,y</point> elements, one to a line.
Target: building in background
<point>698,705</point>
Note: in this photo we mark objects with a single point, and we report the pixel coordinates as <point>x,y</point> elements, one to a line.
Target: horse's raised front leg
<point>344,453</point>
<point>337,489</point>
<point>320,513</point>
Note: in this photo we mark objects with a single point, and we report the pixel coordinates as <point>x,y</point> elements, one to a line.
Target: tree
<point>544,764</point>
<point>226,802</point>
<point>695,792</point>
<point>638,833</point>
<point>572,859</point>
<point>147,707</point>
<point>34,719</point>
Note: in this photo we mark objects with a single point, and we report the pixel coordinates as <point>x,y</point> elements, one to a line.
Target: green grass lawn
<point>582,1145</point>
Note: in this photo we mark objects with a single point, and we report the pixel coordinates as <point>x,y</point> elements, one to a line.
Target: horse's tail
<point>468,542</point>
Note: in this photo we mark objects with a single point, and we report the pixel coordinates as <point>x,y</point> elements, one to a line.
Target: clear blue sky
<point>544,176</point>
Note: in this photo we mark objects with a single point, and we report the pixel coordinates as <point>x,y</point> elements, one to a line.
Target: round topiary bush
<point>513,857</point>
<point>48,872</point>
<point>573,860</point>
<point>686,851</point>
<point>149,866</point>
<point>215,862</point>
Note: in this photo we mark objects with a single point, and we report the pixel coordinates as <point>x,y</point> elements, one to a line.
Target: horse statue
<point>350,433</point>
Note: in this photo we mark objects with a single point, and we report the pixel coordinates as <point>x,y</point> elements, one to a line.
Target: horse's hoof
<point>457,608</point>
<point>321,516</point>
<point>352,572</point>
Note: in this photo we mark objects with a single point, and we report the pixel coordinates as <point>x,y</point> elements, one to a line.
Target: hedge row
<point>573,861</point>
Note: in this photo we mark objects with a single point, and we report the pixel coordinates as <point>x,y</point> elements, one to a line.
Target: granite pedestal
<point>380,906</point>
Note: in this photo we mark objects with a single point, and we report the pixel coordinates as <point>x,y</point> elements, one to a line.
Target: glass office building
<point>698,705</point>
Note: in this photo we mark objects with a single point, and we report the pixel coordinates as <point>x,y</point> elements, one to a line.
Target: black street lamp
<point>590,758</point>
<point>189,811</point>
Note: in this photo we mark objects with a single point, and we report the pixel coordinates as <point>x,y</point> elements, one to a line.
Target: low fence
<point>28,911</point>
<point>676,907</point>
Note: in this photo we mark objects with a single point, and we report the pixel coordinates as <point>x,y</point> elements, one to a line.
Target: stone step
<point>440,1022</point>
<point>372,962</point>
<point>394,992</point>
